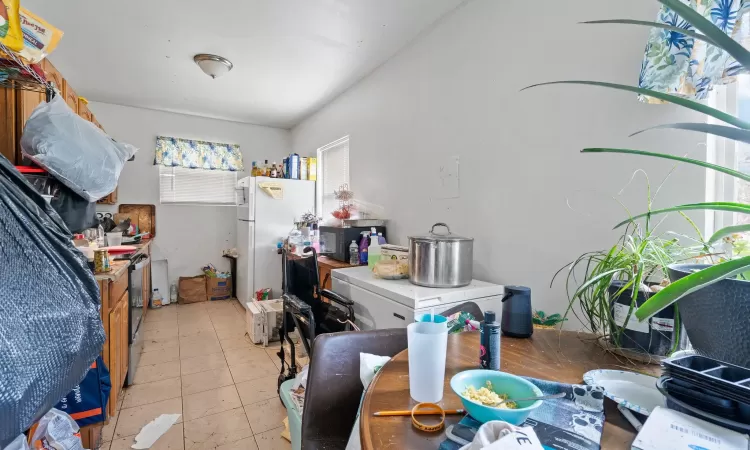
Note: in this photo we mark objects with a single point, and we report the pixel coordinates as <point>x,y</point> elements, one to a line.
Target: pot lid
<point>444,236</point>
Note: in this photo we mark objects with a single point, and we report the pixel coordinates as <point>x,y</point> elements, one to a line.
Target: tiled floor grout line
<point>212,318</point>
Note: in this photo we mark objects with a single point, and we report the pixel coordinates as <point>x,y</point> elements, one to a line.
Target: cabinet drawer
<point>116,289</point>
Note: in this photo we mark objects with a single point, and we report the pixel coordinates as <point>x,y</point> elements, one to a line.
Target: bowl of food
<point>481,389</point>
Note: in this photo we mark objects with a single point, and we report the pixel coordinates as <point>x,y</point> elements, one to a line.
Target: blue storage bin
<point>295,418</point>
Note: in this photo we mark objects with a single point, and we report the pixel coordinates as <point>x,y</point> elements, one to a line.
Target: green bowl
<point>502,383</point>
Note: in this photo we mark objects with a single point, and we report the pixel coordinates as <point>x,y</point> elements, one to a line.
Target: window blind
<point>196,186</point>
<point>333,163</point>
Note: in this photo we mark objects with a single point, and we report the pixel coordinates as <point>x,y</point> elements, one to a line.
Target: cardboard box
<point>191,289</point>
<point>218,288</point>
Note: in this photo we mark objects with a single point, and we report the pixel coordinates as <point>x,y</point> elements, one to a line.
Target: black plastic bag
<point>77,212</point>
<point>50,328</point>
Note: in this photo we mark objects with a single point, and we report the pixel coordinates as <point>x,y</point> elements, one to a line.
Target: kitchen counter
<point>120,268</point>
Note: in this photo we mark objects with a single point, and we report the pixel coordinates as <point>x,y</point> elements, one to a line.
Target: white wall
<point>456,92</point>
<point>187,236</point>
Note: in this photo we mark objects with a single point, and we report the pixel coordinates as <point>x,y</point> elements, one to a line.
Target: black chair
<point>334,388</point>
<point>469,307</point>
<point>305,310</point>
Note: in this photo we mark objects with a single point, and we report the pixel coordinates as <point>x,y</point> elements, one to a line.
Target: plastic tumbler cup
<point>428,343</point>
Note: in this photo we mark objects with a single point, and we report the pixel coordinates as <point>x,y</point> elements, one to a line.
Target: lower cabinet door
<point>124,334</point>
<point>114,359</point>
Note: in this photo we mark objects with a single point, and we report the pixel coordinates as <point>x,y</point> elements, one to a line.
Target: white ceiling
<point>290,57</point>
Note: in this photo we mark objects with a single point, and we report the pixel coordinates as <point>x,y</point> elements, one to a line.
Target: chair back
<point>334,389</point>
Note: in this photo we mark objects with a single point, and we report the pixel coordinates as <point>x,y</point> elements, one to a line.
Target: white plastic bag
<point>58,431</point>
<point>74,150</point>
<point>18,443</point>
<point>369,365</point>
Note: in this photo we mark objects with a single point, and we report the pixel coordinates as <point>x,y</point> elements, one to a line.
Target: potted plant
<point>714,303</point>
<point>608,286</point>
<point>542,320</point>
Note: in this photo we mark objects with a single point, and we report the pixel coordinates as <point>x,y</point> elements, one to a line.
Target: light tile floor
<point>198,363</point>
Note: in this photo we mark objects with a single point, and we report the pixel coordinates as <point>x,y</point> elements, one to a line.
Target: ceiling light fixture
<point>212,65</point>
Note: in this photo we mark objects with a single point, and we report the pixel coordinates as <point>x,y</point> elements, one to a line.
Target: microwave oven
<point>335,241</point>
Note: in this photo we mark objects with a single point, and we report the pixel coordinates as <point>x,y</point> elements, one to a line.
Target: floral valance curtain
<point>680,65</point>
<point>194,154</point>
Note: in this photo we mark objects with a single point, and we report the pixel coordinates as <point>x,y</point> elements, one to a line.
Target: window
<point>196,186</point>
<point>333,171</point>
<point>734,99</point>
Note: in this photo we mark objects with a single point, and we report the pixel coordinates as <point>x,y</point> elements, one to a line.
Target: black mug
<point>517,314</point>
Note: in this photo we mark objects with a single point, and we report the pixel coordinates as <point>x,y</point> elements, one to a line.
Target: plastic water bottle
<point>373,252</point>
<point>173,293</point>
<point>354,253</point>
<point>156,299</point>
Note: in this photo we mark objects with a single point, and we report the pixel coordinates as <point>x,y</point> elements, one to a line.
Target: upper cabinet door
<point>53,75</point>
<point>83,111</point>
<point>71,98</point>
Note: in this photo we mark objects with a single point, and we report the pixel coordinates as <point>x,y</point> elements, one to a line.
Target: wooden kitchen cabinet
<point>71,98</point>
<point>118,349</point>
<point>52,74</point>
<point>8,138</point>
<point>83,111</point>
<point>111,199</point>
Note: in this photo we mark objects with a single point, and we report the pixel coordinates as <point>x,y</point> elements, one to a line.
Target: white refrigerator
<point>262,221</point>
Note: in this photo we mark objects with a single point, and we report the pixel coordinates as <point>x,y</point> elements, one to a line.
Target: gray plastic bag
<point>50,325</point>
<point>74,150</point>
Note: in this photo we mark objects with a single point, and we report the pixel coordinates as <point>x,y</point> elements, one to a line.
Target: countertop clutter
<point>120,266</point>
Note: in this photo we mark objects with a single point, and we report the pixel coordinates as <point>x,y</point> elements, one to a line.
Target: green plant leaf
<point>690,33</point>
<point>696,162</point>
<point>713,32</point>
<point>691,283</point>
<point>713,206</point>
<point>728,231</point>
<point>677,100</point>
<point>733,133</point>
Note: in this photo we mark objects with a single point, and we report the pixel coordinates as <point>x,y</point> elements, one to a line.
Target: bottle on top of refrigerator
<point>280,171</point>
<point>294,166</point>
<point>266,169</point>
<point>274,171</point>
<point>285,168</point>
<point>381,239</point>
<point>354,253</point>
<point>254,170</point>
<point>303,168</point>
<point>364,241</point>
<point>373,252</point>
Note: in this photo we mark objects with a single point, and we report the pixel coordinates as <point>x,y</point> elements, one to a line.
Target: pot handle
<point>440,224</point>
<point>506,296</point>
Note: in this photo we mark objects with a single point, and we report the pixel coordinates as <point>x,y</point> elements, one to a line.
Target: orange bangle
<point>429,407</point>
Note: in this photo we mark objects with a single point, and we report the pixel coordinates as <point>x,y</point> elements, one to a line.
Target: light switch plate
<point>446,180</point>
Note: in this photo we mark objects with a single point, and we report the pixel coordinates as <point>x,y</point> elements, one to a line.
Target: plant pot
<point>654,337</point>
<point>716,317</point>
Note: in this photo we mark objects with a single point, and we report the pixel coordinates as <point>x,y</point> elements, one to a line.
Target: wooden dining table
<point>562,356</point>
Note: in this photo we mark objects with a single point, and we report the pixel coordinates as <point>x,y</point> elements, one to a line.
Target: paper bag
<point>191,289</point>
